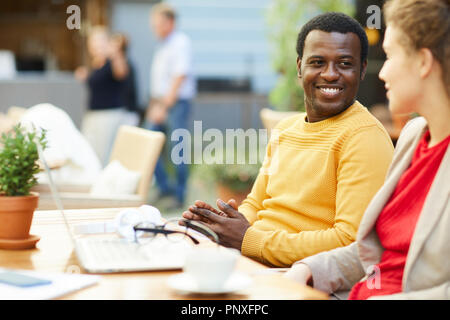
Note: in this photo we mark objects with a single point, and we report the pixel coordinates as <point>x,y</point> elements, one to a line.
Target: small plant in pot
<point>18,167</point>
<point>232,180</point>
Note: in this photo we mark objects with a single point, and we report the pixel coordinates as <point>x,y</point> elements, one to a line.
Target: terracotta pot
<point>16,215</point>
<point>225,193</point>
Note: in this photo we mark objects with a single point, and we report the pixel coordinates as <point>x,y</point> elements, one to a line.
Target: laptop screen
<point>54,191</point>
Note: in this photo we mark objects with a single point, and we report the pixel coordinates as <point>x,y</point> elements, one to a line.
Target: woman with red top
<point>403,243</point>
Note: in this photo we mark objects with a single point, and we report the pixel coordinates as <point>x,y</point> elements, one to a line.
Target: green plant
<point>236,176</point>
<point>284,19</point>
<point>18,160</point>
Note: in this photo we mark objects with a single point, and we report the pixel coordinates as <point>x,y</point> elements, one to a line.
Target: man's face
<point>161,25</point>
<point>330,71</point>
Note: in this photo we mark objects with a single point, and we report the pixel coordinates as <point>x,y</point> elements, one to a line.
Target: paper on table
<point>61,284</point>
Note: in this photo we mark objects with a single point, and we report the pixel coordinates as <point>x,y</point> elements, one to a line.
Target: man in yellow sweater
<point>321,168</point>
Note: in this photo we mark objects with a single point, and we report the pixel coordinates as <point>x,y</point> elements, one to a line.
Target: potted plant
<point>18,167</point>
<point>232,181</point>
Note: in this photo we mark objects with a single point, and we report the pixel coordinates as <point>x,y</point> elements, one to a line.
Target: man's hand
<point>119,64</point>
<point>169,100</point>
<point>157,113</point>
<point>172,95</point>
<point>229,224</point>
<point>300,273</point>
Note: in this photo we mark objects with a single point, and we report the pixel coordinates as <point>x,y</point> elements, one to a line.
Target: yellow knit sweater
<point>314,185</point>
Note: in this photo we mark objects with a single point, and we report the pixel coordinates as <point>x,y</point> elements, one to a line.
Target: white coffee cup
<point>210,267</point>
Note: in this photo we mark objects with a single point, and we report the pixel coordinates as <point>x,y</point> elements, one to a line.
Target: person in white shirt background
<point>172,87</point>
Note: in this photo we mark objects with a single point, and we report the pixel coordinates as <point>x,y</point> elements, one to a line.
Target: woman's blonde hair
<point>425,24</point>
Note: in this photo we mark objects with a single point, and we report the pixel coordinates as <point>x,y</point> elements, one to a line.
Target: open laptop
<point>109,253</point>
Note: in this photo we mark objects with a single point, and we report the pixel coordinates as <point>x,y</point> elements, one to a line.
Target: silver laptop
<point>109,253</point>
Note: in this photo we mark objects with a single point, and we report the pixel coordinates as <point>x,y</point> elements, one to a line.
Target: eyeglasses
<point>174,230</point>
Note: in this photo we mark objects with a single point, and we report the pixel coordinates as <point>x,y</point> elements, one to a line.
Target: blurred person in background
<point>172,87</point>
<point>132,116</point>
<point>109,82</point>
<point>402,250</point>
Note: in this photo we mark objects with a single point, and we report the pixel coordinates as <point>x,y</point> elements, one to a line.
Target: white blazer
<point>427,268</point>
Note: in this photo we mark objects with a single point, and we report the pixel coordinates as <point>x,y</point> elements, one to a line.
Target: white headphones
<point>123,223</point>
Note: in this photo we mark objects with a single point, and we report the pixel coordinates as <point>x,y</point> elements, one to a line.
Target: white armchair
<point>136,149</point>
<point>270,118</point>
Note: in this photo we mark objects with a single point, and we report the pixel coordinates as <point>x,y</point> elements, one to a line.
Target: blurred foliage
<point>238,175</point>
<point>284,19</point>
<point>19,160</point>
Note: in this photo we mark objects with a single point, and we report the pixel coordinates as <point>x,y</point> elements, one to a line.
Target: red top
<point>397,221</point>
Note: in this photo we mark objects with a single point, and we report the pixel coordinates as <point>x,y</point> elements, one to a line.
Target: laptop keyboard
<point>110,255</point>
<point>111,250</point>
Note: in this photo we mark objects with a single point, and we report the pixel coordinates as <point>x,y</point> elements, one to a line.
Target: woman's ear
<point>426,60</point>
<point>299,63</point>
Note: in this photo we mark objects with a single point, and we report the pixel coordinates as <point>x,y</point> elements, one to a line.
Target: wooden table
<point>55,253</point>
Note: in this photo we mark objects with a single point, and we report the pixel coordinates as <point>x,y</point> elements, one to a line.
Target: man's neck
<point>319,118</point>
<point>168,36</point>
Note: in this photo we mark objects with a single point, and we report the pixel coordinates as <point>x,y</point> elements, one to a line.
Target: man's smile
<point>329,91</point>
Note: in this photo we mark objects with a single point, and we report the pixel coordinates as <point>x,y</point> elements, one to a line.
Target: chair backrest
<point>138,149</point>
<point>270,118</point>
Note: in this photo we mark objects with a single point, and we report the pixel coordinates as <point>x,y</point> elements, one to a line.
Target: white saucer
<point>185,283</point>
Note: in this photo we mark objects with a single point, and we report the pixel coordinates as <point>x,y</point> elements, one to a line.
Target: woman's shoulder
<point>413,130</point>
<point>408,139</point>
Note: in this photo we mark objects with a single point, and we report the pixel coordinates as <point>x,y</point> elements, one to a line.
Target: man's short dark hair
<point>333,22</point>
